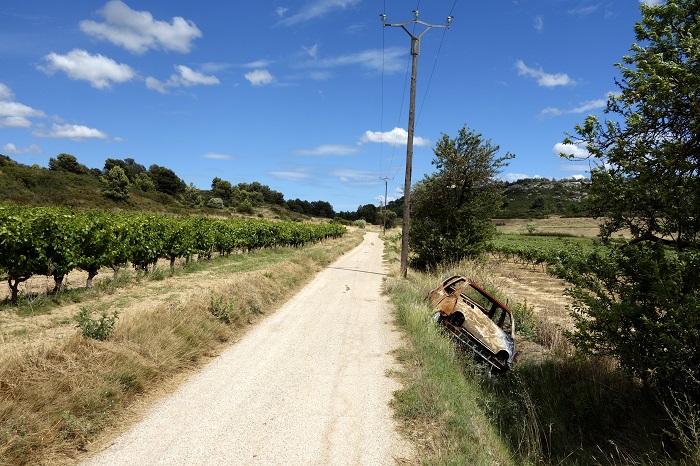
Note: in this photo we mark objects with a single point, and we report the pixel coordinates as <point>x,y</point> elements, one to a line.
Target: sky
<point>309,97</point>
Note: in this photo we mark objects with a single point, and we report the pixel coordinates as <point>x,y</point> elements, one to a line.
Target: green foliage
<point>452,208</point>
<point>144,182</point>
<point>98,328</point>
<point>67,163</point>
<point>360,223</point>
<point>641,302</point>
<point>221,310</point>
<point>192,196</point>
<point>115,184</point>
<point>215,203</point>
<point>166,180</point>
<point>387,218</point>
<point>245,207</point>
<point>647,179</point>
<point>50,240</point>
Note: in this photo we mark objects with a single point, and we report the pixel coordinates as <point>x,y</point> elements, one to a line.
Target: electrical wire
<point>437,55</point>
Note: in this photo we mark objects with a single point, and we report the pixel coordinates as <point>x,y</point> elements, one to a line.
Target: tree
<point>67,163</point>
<point>368,212</point>
<point>144,182</point>
<point>192,196</point>
<point>642,304</point>
<point>166,180</point>
<point>115,184</point>
<point>451,209</point>
<point>222,189</point>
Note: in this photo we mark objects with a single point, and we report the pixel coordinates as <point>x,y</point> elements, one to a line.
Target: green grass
<point>438,404</point>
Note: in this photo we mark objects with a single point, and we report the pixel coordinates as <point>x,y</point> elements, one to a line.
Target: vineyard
<point>547,251</point>
<point>52,241</point>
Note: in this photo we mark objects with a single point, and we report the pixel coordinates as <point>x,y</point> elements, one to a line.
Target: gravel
<point>306,386</point>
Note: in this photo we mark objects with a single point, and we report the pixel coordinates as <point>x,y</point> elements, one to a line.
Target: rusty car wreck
<point>475,319</point>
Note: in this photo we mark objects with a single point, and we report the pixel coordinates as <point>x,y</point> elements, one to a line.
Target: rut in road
<point>307,385</point>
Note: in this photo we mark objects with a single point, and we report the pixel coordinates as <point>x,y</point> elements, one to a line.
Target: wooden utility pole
<point>386,190</point>
<point>415,51</point>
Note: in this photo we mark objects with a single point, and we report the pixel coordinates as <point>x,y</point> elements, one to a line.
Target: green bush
<point>221,310</point>
<point>96,329</point>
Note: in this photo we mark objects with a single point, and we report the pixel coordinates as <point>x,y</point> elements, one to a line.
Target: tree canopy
<point>641,301</point>
<point>451,210</point>
<point>67,163</point>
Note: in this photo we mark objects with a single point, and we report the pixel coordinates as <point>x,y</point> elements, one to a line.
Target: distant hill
<point>157,189</point>
<point>540,197</point>
<point>535,198</point>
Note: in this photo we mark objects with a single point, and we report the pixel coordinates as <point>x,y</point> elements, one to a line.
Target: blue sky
<point>308,97</point>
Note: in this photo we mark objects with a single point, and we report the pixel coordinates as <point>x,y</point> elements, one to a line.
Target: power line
<point>415,51</point>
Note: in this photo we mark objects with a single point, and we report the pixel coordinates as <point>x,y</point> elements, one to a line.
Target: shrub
<point>97,329</point>
<point>215,203</point>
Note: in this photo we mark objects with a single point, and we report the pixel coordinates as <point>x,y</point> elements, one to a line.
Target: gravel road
<point>306,386</point>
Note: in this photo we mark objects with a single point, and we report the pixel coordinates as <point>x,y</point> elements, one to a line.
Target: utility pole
<point>386,188</point>
<point>415,51</point>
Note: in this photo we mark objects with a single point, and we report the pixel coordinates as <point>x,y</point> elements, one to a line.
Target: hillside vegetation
<point>73,184</point>
<point>127,185</point>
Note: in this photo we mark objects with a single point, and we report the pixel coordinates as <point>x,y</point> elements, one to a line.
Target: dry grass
<point>577,226</point>
<point>57,396</point>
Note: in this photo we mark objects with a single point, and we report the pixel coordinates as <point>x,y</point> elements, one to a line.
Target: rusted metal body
<point>476,319</point>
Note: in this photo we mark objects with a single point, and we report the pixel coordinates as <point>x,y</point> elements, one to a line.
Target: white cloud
<point>510,177</point>
<point>156,85</point>
<point>15,114</point>
<point>262,63</point>
<point>355,177</point>
<point>578,177</point>
<point>389,59</point>
<point>68,131</point>
<point>544,79</point>
<point>11,149</point>
<point>15,109</point>
<point>216,156</point>
<point>281,11</point>
<point>15,122</point>
<point>98,70</point>
<point>259,78</point>
<point>573,150</point>
<point>395,136</point>
<point>584,107</point>
<point>316,9</point>
<point>539,23</point>
<point>185,77</point>
<point>138,31</point>
<point>6,93</point>
<point>329,149</point>
<point>311,51</point>
<point>291,175</point>
<point>584,11</point>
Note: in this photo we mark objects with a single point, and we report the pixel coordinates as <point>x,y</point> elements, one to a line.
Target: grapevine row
<point>551,253</point>
<point>53,240</point>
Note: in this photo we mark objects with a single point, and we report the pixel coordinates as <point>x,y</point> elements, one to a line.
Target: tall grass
<point>557,408</point>
<point>439,402</point>
<point>57,397</point>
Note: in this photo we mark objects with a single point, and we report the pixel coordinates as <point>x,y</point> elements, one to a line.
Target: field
<point>575,226</point>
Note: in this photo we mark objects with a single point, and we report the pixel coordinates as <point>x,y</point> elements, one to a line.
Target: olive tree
<point>642,303</point>
<point>451,209</point>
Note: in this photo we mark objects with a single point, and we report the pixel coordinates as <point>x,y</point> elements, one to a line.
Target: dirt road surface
<point>306,386</point>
